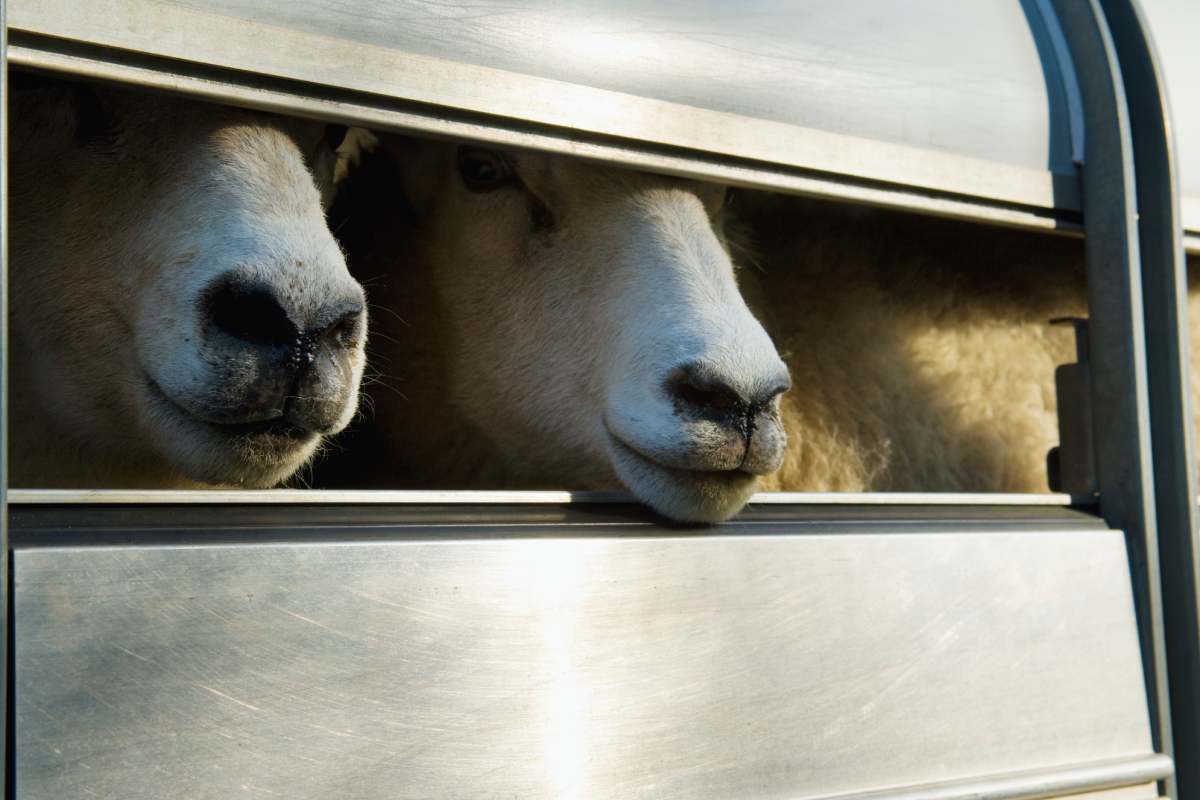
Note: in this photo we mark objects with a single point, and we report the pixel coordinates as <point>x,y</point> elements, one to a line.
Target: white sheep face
<point>184,313</point>
<point>598,334</point>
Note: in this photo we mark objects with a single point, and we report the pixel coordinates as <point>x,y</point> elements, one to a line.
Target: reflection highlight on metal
<point>558,584</point>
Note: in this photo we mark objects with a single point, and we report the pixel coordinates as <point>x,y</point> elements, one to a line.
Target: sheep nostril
<point>346,330</point>
<point>249,312</point>
<point>699,389</point>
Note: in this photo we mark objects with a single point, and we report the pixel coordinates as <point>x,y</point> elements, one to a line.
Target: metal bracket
<point>1071,466</point>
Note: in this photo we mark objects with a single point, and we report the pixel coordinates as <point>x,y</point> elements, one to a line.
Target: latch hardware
<point>1071,466</point>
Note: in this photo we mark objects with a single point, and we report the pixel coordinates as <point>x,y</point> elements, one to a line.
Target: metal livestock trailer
<point>417,644</point>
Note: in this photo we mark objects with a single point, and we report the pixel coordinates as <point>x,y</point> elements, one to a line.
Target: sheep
<point>926,347</point>
<point>920,349</point>
<point>556,323</point>
<point>181,314</point>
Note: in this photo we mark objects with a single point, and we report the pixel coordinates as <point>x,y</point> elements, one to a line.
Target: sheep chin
<point>682,495</point>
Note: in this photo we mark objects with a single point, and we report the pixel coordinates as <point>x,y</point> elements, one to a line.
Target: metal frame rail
<point>1137,298</point>
<point>4,631</point>
<point>1164,285</point>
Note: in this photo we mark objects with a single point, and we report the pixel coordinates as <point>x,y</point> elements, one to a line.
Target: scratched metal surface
<point>707,666</point>
<point>961,77</point>
<point>959,98</point>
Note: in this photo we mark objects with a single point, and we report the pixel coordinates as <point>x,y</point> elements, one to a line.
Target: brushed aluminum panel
<point>990,129</point>
<point>610,666</point>
<point>961,78</point>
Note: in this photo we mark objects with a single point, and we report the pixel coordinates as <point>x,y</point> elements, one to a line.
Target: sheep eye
<point>483,170</point>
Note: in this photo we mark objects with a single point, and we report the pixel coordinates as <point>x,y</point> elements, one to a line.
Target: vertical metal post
<point>1120,395</point>
<point>4,700</point>
<point>1164,289</point>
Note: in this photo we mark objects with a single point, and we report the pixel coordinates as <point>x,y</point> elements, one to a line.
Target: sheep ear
<point>350,149</point>
<point>95,120</point>
<point>338,154</point>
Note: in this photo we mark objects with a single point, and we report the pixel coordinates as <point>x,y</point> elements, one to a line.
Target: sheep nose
<point>252,313</point>
<point>702,389</point>
<point>284,361</point>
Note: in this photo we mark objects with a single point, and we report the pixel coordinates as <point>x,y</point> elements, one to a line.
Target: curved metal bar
<point>1117,344</point>
<point>1164,288</point>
